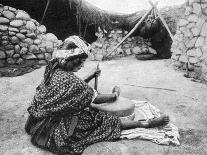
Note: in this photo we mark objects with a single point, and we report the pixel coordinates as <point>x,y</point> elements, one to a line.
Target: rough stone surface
<point>20,36</point>
<point>204,30</point>
<point>8,14</point>
<point>22,15</point>
<point>30,25</point>
<point>9,53</point>
<point>199,42</point>
<point>2,55</point>
<point>34,49</point>
<point>14,40</point>
<point>42,29</point>
<point>3,27</point>
<point>16,23</point>
<point>194,52</point>
<point>4,20</point>
<point>196,8</point>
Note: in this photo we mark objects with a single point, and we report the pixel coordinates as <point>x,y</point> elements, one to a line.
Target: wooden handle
<point>96,80</point>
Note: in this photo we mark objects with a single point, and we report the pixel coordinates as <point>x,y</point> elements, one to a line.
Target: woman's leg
<point>130,124</point>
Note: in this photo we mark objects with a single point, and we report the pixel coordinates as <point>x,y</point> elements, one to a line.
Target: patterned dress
<point>61,119</point>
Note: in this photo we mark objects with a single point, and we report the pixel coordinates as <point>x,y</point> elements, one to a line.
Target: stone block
<point>193,18</point>
<point>30,25</point>
<point>13,29</point>
<point>200,23</point>
<point>191,43</point>
<point>3,28</point>
<point>9,47</point>
<point>16,23</point>
<point>16,56</point>
<point>34,49</point>
<point>11,61</point>
<point>9,53</point>
<point>28,41</point>
<point>15,40</point>
<point>40,56</point>
<point>37,41</point>
<point>177,52</point>
<point>31,35</point>
<point>8,14</point>
<point>175,57</point>
<point>17,48</point>
<point>42,29</point>
<point>193,60</point>
<point>48,56</point>
<point>11,33</point>
<point>19,61</point>
<point>199,42</point>
<point>204,30</point>
<point>182,22</point>
<point>2,63</point>
<point>195,31</point>
<point>194,52</point>
<point>2,55</point>
<point>29,56</point>
<point>128,51</point>
<point>196,8</point>
<point>136,50</point>
<point>51,37</point>
<point>151,50</point>
<point>20,36</point>
<point>4,20</point>
<point>183,59</point>
<point>22,15</point>
<point>23,51</point>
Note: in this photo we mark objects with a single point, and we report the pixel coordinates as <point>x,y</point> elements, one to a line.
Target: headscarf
<point>61,56</point>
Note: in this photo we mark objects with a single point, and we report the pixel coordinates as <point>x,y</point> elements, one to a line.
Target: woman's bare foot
<point>116,90</point>
<point>155,122</point>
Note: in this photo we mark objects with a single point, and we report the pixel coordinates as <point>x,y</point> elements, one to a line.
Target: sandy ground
<point>187,106</point>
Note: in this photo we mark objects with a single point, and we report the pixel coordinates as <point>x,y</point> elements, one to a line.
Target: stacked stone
<point>23,39</point>
<point>190,44</point>
<point>132,45</point>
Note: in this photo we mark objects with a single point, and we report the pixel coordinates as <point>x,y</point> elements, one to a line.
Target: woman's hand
<point>96,72</point>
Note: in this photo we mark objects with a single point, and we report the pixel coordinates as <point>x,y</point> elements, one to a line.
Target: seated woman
<point>63,117</point>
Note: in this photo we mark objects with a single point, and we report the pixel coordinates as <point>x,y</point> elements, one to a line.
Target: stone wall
<point>23,40</point>
<point>189,49</point>
<point>132,45</point>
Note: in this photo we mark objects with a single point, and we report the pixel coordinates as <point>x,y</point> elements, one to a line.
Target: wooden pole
<point>47,5</point>
<point>135,27</point>
<point>96,80</point>
<point>162,19</point>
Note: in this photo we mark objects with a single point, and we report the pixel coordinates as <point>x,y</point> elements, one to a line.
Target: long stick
<point>150,87</point>
<point>96,80</point>
<point>162,19</point>
<point>135,27</point>
<point>47,5</point>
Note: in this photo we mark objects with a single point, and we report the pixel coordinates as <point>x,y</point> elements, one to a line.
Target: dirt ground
<point>187,106</point>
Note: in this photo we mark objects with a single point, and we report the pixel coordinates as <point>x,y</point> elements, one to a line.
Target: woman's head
<point>70,57</point>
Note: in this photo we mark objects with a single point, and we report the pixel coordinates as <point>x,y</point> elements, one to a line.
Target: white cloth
<point>164,135</point>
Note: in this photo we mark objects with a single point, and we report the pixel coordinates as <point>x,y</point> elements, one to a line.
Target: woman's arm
<point>105,98</point>
<point>88,78</point>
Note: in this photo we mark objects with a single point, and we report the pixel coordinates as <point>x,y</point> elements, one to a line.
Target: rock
<point>187,33</point>
<point>28,41</point>
<point>42,29</point>
<point>29,56</point>
<point>182,22</point>
<point>128,51</point>
<point>200,23</point>
<point>16,23</point>
<point>33,49</point>
<point>12,9</point>
<point>9,53</point>
<point>19,61</point>
<point>183,58</point>
<point>195,31</point>
<point>48,56</point>
<point>49,49</point>
<point>23,31</point>
<point>177,51</point>
<point>42,49</point>
<point>51,37</point>
<point>136,50</point>
<point>22,44</point>
<point>193,60</point>
<point>4,20</point>
<point>42,62</point>
<point>194,52</point>
<point>30,25</point>
<point>99,45</point>
<point>22,15</point>
<point>11,61</point>
<point>17,48</point>
<point>191,25</point>
<point>175,57</point>
<point>20,36</point>
<point>12,33</point>
<point>3,28</point>
<point>23,51</point>
<point>6,8</point>
<point>5,37</point>
<point>37,41</point>
<point>2,63</point>
<point>9,47</point>
<point>40,56</point>
<point>196,8</point>
<point>191,43</point>
<point>2,55</point>
<point>15,40</point>
<point>13,29</point>
<point>199,42</point>
<point>193,18</point>
<point>8,14</point>
<point>31,35</point>
<point>188,10</point>
<point>204,30</point>
<point>16,55</point>
<point>151,50</point>
<point>4,43</point>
